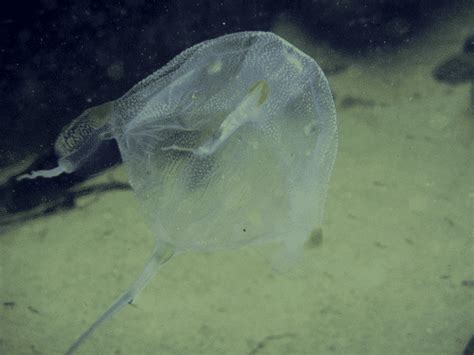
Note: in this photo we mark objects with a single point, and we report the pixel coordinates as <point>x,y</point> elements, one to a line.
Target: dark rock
<point>459,68</point>
<point>469,349</point>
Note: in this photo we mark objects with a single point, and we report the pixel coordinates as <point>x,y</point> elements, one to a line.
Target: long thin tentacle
<point>163,253</point>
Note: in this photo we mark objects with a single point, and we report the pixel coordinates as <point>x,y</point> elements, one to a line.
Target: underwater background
<point>392,271</point>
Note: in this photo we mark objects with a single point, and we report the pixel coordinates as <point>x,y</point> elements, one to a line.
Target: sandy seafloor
<point>388,279</point>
